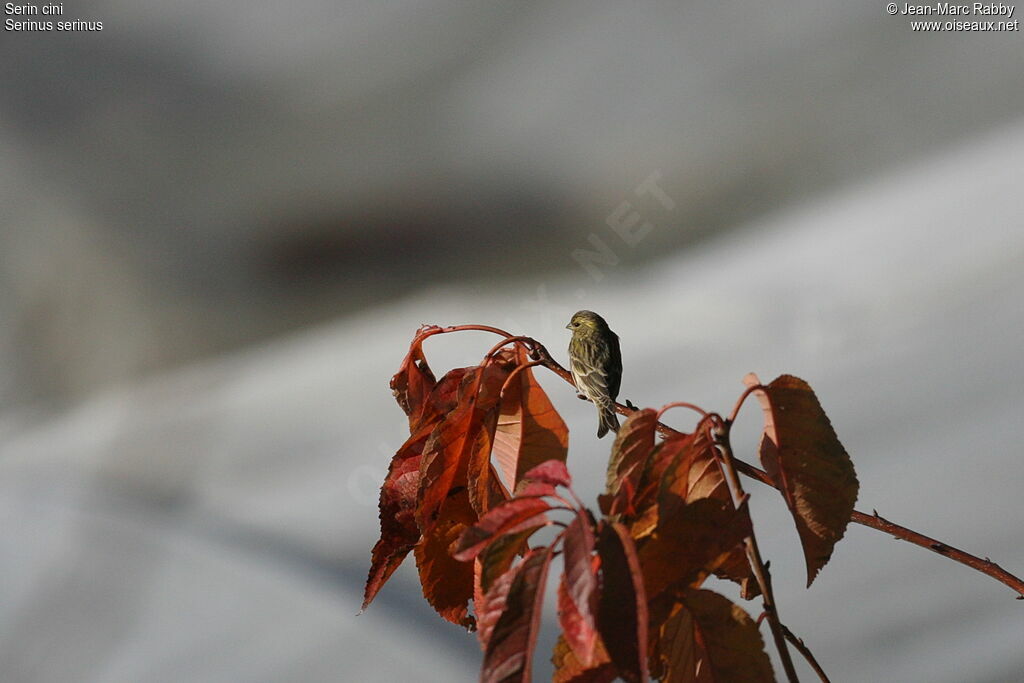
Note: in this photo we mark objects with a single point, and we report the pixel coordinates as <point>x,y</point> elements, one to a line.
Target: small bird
<point>596,365</point>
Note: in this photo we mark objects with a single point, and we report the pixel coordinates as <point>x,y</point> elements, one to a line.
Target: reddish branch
<point>798,643</point>
<point>985,566</point>
<point>874,521</point>
<point>754,555</point>
<point>902,533</point>
<point>539,353</point>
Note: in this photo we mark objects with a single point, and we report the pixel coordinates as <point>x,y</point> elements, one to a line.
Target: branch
<point>902,533</point>
<point>874,521</point>
<point>985,566</point>
<point>754,555</point>
<point>798,643</point>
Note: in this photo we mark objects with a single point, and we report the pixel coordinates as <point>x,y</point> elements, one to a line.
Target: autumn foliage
<point>483,472</point>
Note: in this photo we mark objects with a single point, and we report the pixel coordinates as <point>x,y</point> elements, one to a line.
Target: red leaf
<point>577,597</point>
<point>534,489</point>
<point>580,634</point>
<point>568,669</point>
<point>412,384</point>
<point>543,479</point>
<point>398,529</point>
<point>444,457</point>
<point>633,444</point>
<point>485,489</point>
<point>398,495</point>
<point>489,603</point>
<point>497,557</point>
<point>659,471</point>
<point>552,472</point>
<point>529,430</point>
<point>803,456</point>
<point>622,607</point>
<point>447,583</point>
<point>661,458</point>
<point>509,653</point>
<point>445,395</point>
<point>457,453</point>
<point>512,516</point>
<point>694,473</point>
<point>658,467</point>
<point>708,638</point>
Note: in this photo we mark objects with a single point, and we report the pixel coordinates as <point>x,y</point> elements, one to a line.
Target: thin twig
<point>798,643</point>
<point>507,341</point>
<point>764,580</point>
<point>682,404</point>
<point>740,400</point>
<point>874,521</point>
<point>518,369</point>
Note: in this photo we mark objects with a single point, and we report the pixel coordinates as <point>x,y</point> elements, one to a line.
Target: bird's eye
<point>575,324</point>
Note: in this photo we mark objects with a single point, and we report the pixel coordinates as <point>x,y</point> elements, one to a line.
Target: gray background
<point>220,224</point>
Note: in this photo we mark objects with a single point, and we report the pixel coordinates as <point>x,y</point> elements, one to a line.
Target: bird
<point>596,365</point>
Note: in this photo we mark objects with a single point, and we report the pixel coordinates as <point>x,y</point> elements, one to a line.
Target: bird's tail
<point>607,419</point>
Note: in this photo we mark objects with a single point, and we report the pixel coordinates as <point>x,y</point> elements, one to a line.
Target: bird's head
<point>586,320</point>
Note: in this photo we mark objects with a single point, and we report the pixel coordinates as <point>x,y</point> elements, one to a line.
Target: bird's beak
<point>569,326</point>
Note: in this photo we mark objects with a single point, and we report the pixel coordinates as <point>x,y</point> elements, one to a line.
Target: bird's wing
<point>614,365</point>
<point>589,379</point>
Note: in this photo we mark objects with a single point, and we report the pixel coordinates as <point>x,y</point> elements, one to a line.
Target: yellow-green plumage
<point>596,365</point>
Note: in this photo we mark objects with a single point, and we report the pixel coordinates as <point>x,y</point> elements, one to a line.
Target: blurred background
<point>221,223</point>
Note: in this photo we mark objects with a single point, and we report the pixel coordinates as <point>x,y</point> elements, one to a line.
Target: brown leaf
<point>803,456</point>
<point>654,472</point>
<point>678,651</point>
<point>708,639</point>
<point>694,474</point>
<point>622,606</point>
<point>690,542</point>
<point>398,495</point>
<point>485,489</point>
<point>691,454</point>
<point>489,603</point>
<point>577,631</point>
<point>497,557</point>
<point>704,477</point>
<point>413,383</point>
<point>398,529</point>
<point>577,597</point>
<point>509,653</point>
<point>445,396</point>
<point>633,444</point>
<point>460,447</point>
<point>534,489</point>
<point>568,669</point>
<point>529,429</point>
<point>444,460</point>
<point>447,583</point>
<point>512,516</point>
